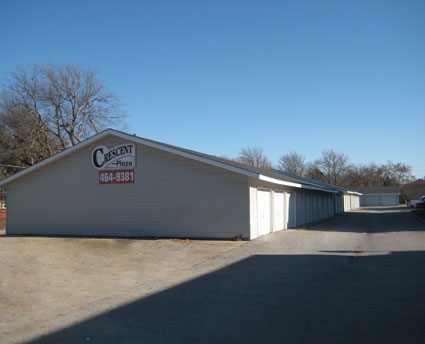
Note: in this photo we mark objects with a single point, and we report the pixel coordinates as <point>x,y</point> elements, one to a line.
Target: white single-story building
<point>379,196</point>
<point>115,184</point>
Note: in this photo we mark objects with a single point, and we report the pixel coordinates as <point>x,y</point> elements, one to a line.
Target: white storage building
<point>115,184</point>
<point>379,196</point>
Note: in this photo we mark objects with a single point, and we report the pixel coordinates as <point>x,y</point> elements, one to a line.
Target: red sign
<point>116,177</point>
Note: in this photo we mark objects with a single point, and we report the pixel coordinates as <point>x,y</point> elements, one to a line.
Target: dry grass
<point>181,241</point>
<point>42,277</point>
<point>239,238</point>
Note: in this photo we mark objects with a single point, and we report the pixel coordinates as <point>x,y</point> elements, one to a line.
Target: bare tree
<point>333,165</point>
<point>374,175</point>
<point>334,168</point>
<point>24,141</point>
<point>389,174</point>
<point>293,163</point>
<point>313,171</point>
<point>68,102</point>
<point>413,189</point>
<point>397,174</point>
<point>254,157</point>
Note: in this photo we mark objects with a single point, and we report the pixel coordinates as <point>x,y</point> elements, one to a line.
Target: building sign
<point>115,165</point>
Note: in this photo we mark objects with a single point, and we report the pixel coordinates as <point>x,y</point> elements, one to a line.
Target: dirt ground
<point>44,278</point>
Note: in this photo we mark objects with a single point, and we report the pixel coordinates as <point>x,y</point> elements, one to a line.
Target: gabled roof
<point>266,175</point>
<point>312,181</point>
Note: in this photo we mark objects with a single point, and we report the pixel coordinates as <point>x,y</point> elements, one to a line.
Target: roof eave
<point>354,193</point>
<point>295,185</point>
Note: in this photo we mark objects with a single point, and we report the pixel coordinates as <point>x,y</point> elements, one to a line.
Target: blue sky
<point>217,76</point>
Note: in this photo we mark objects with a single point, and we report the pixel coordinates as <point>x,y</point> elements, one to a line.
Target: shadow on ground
<point>275,299</point>
<point>374,220</point>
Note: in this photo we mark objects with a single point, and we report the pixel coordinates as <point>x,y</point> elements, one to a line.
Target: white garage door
<point>389,200</point>
<point>379,200</point>
<point>278,211</point>
<point>370,200</point>
<point>263,208</point>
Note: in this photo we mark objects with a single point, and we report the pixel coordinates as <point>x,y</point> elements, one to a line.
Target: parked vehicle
<point>417,203</point>
<point>420,204</point>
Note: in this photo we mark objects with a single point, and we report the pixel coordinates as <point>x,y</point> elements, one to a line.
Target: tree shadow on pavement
<point>275,299</point>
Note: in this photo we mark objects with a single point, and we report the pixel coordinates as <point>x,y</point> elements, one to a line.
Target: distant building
<point>379,196</point>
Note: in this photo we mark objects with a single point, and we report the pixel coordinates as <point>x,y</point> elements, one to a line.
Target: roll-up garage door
<point>278,211</point>
<point>371,200</point>
<point>264,212</point>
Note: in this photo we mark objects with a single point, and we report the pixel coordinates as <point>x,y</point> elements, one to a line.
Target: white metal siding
<point>338,203</point>
<point>311,206</point>
<point>301,218</point>
<point>171,196</point>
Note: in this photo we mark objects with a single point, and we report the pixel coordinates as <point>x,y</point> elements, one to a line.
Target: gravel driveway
<point>357,278</point>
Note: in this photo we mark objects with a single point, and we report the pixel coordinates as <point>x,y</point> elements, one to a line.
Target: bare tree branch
<point>45,108</point>
<point>254,157</point>
<point>293,163</point>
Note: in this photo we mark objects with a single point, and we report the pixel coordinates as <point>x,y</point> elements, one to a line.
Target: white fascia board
<point>280,182</point>
<point>354,193</point>
<point>294,185</point>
